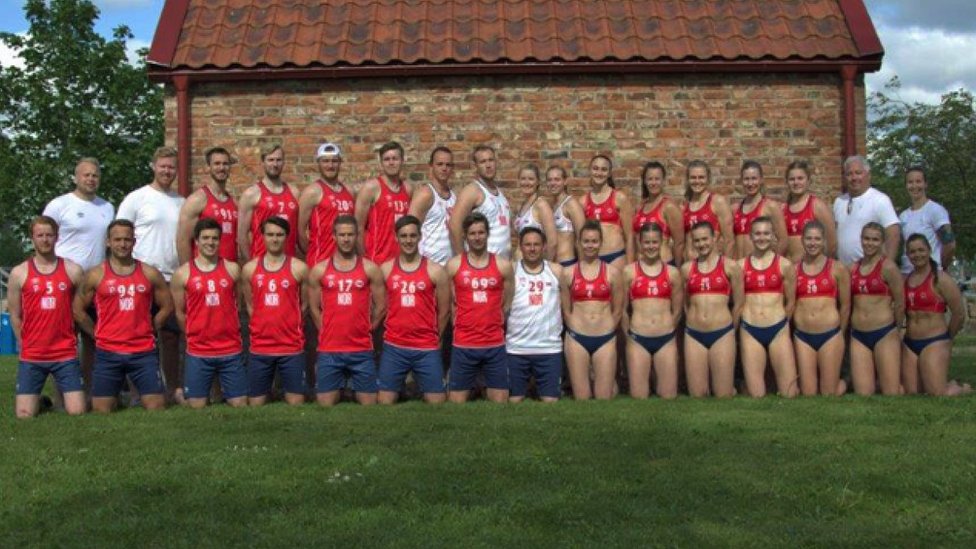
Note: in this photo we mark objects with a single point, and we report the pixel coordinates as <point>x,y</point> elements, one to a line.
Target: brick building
<point>545,81</point>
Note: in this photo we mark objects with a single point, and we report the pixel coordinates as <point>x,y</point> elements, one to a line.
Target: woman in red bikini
<point>657,208</point>
<point>802,207</point>
<point>701,205</point>
<point>755,204</point>
<point>612,208</point>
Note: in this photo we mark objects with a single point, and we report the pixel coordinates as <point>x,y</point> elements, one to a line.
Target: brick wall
<point>559,119</point>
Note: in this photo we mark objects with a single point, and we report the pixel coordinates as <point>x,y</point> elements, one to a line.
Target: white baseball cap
<point>330,150</point>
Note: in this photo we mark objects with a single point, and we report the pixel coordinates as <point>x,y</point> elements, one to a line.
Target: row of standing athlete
<point>610,209</point>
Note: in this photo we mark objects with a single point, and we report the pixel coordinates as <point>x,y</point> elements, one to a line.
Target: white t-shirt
<point>81,237</point>
<point>435,240</point>
<point>535,321</point>
<point>872,205</point>
<point>925,221</point>
<point>155,215</point>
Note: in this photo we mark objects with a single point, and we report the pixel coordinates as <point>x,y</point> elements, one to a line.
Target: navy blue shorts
<point>31,376</point>
<point>427,368</point>
<point>466,363</point>
<point>261,371</point>
<point>200,371</point>
<point>547,370</point>
<point>111,369</point>
<point>331,370</point>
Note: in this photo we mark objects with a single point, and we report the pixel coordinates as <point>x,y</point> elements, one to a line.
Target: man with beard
<point>268,197</point>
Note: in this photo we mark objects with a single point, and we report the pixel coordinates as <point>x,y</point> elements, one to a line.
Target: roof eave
<point>158,73</point>
<point>168,31</point>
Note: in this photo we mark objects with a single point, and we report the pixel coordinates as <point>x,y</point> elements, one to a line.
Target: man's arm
<point>310,197</point>
<point>421,202</point>
<point>377,289</point>
<point>442,294</point>
<point>364,201</point>
<point>244,287</point>
<point>15,286</point>
<point>508,279</point>
<point>892,240</point>
<point>177,287</point>
<point>189,214</point>
<point>245,211</point>
<point>161,296</point>
<point>468,199</point>
<point>948,240</point>
<point>83,299</point>
<point>313,294</point>
<point>299,270</point>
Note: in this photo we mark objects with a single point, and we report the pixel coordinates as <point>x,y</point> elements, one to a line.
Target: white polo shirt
<point>872,205</point>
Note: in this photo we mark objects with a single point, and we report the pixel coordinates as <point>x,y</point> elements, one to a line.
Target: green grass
<point>816,471</point>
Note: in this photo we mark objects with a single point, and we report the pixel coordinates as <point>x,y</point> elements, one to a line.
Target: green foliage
<point>941,138</point>
<point>76,96</point>
<point>841,472</point>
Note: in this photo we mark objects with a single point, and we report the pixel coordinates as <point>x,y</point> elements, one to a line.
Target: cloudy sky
<point>929,44</point>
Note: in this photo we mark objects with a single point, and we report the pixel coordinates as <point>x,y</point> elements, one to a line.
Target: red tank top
<point>225,213</point>
<point>124,307</point>
<point>270,204</point>
<point>924,298</point>
<point>821,284</point>
<point>478,320</point>
<point>597,289</point>
<point>742,222</point>
<point>276,321</point>
<point>346,306</point>
<point>795,222</point>
<point>654,216</point>
<point>411,314</point>
<point>705,213</point>
<point>604,212</point>
<point>212,325</point>
<point>48,330</point>
<point>762,281</point>
<point>713,282</point>
<point>870,284</point>
<point>645,286</point>
<point>321,242</point>
<point>380,239</point>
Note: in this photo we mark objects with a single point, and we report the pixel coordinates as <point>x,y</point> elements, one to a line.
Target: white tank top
<point>435,239</point>
<point>563,223</point>
<point>495,208</point>
<point>535,322</point>
<point>527,219</point>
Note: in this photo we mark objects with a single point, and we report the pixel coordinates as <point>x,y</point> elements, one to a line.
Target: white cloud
<point>9,57</point>
<point>928,62</point>
<point>132,46</point>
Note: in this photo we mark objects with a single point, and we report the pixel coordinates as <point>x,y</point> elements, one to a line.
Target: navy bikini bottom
<point>765,334</point>
<point>816,341</point>
<point>651,344</point>
<point>871,338</point>
<point>918,345</point>
<point>707,339</point>
<point>592,344</point>
<point>608,258</point>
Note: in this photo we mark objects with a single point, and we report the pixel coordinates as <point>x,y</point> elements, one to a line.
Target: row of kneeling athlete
<point>509,319</point>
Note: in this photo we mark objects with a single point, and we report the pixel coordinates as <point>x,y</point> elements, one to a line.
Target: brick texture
<point>546,120</point>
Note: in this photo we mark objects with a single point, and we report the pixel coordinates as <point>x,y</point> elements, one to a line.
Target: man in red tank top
<point>124,291</point>
<point>205,297</point>
<point>346,296</point>
<point>268,197</point>
<point>381,201</point>
<point>418,305</point>
<point>483,285</point>
<point>39,297</point>
<point>274,286</point>
<point>210,201</point>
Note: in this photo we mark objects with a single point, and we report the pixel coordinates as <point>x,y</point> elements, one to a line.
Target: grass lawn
<point>814,471</point>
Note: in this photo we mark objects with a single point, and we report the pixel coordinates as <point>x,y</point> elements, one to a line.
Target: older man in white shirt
<point>860,205</point>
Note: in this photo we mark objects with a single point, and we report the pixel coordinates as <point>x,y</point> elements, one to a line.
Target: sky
<point>929,44</point>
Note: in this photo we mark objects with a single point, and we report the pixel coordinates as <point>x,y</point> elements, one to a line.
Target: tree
<point>77,95</point>
<point>941,138</point>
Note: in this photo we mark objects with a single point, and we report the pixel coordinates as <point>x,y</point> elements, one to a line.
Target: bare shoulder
<point>373,270</point>
<point>249,267</point>
<point>233,269</point>
<point>556,268</point>
<point>311,192</point>
<point>298,268</point>
<point>19,273</point>
<point>674,272</point>
<point>74,270</point>
<point>505,266</point>
<point>152,273</point>
<point>387,267</point>
<point>435,271</point>
<point>453,265</point>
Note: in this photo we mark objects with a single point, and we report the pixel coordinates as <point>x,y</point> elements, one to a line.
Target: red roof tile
<point>208,34</point>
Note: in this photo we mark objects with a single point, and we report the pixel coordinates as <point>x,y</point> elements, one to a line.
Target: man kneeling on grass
<point>124,291</point>
<point>205,293</point>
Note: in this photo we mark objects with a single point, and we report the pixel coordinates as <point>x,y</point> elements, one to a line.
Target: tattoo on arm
<point>945,234</point>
